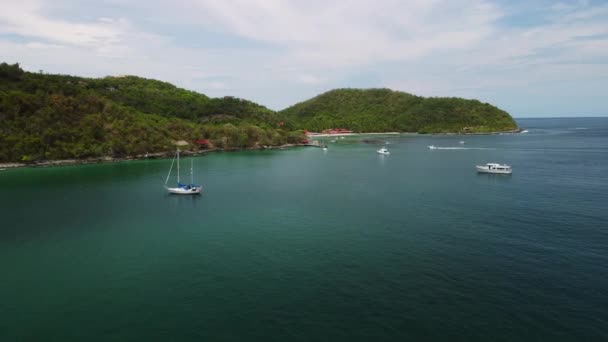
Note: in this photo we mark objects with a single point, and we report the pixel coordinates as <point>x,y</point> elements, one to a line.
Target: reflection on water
<point>491,178</point>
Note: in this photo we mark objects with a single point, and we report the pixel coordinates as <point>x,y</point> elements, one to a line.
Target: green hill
<point>383,110</point>
<point>144,95</point>
<point>165,99</point>
<point>46,117</point>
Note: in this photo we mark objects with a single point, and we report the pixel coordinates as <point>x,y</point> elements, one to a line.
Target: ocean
<point>306,245</point>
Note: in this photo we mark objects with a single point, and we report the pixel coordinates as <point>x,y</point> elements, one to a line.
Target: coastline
<point>165,155</point>
<point>327,135</point>
<point>157,155</point>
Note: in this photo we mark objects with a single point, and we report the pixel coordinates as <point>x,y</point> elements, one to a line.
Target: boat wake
<point>461,148</point>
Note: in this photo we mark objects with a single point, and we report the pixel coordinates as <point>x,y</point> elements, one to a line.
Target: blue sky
<point>531,58</point>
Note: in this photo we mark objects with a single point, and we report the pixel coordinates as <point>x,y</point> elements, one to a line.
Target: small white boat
<point>432,147</point>
<point>183,189</point>
<point>383,151</point>
<point>524,131</point>
<point>461,142</point>
<point>324,147</point>
<point>494,168</point>
<point>341,137</point>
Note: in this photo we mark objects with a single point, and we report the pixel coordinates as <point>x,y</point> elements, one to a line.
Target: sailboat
<point>183,189</point>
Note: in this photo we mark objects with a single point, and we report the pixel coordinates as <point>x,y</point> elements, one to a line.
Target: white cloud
<point>279,51</point>
<point>309,79</point>
<point>338,33</point>
<point>39,45</point>
<point>26,18</point>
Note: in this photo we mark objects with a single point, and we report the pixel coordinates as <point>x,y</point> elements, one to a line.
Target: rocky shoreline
<point>157,155</point>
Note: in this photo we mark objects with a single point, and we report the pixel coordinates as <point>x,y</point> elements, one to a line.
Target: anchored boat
<point>383,151</point>
<point>183,189</point>
<point>494,168</point>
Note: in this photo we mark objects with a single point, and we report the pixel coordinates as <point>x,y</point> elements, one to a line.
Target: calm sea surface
<point>301,244</point>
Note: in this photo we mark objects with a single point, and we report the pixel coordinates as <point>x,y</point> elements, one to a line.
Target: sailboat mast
<point>171,168</point>
<point>178,166</point>
<point>191,171</point>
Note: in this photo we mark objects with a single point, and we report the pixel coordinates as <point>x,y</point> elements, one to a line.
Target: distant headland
<point>385,110</point>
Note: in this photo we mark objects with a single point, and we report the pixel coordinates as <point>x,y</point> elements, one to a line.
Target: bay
<point>301,244</point>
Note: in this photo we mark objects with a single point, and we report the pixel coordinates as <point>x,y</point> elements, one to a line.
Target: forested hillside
<point>382,110</point>
<point>45,117</point>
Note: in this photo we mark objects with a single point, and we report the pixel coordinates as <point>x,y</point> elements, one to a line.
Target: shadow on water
<point>183,198</point>
<point>489,178</point>
<point>181,201</point>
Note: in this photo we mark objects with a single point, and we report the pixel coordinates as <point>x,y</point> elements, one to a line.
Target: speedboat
<point>383,151</point>
<point>432,147</point>
<point>494,168</point>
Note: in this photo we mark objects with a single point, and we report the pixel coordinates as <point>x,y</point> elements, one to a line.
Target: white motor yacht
<point>494,168</point>
<point>383,151</point>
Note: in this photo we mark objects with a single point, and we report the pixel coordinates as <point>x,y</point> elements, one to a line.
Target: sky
<point>531,58</point>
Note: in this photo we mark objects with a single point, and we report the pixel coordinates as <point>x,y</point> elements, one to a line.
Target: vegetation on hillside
<point>165,99</point>
<point>382,110</point>
<point>46,117</point>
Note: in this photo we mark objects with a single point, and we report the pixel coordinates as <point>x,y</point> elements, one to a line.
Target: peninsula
<point>59,117</point>
<point>385,110</point>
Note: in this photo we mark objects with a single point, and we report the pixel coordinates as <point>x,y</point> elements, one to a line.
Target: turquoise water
<point>301,244</point>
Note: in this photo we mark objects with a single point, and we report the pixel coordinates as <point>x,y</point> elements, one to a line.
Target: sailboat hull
<point>182,191</point>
